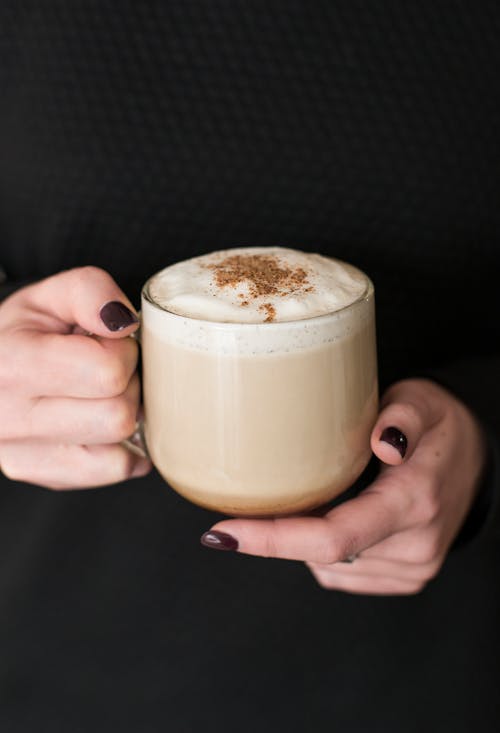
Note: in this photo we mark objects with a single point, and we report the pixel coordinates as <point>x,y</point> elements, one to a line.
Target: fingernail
<point>396,438</point>
<point>116,316</point>
<point>219,541</point>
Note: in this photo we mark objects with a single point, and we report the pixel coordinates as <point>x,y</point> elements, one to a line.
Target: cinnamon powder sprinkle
<point>270,312</point>
<point>263,274</point>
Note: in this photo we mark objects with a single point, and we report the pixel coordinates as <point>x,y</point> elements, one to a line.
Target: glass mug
<point>259,419</point>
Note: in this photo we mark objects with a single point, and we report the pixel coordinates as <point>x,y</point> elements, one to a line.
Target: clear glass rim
<point>367,293</point>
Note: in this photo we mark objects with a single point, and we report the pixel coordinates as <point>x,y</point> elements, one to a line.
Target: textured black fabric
<point>136,134</point>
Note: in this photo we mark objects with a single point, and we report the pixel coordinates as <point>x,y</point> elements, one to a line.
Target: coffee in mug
<point>259,378</point>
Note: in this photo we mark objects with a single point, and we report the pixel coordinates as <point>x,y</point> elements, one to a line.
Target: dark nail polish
<point>396,438</point>
<point>219,541</point>
<point>116,316</point>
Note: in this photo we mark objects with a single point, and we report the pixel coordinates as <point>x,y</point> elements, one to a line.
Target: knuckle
<point>414,392</point>
<point>430,571</point>
<point>429,502</point>
<point>113,377</point>
<point>17,468</point>
<point>428,551</point>
<point>327,552</point>
<point>11,469</point>
<point>90,272</point>
<point>433,552</point>
<point>121,419</point>
<point>123,465</point>
<point>331,551</point>
<point>115,464</point>
<point>410,413</point>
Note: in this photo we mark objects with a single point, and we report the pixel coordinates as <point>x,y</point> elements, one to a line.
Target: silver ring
<point>349,559</point>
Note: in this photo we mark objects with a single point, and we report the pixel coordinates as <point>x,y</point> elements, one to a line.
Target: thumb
<point>85,297</point>
<point>406,415</point>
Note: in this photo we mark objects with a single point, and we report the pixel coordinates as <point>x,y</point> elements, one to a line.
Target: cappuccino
<point>260,383</point>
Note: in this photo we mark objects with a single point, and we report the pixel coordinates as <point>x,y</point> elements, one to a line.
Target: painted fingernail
<point>219,541</point>
<point>396,438</point>
<point>116,316</point>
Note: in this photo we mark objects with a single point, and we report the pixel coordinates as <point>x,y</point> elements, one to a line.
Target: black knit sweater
<point>134,134</point>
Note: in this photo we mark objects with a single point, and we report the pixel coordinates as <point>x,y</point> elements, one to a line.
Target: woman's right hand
<point>67,398</point>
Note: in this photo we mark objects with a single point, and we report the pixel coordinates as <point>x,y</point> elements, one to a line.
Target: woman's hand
<point>67,399</point>
<point>394,536</point>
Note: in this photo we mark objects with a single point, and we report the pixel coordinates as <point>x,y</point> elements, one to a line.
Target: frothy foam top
<point>257,285</point>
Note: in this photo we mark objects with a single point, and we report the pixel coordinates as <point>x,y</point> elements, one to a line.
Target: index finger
<point>71,365</point>
<point>346,530</point>
<point>76,298</point>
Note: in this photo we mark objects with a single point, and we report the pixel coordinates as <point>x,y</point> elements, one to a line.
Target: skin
<point>401,527</point>
<point>68,399</point>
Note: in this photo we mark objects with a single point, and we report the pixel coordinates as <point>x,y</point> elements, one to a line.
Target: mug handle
<point>136,443</point>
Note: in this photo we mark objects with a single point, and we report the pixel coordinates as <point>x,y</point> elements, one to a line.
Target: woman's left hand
<point>393,537</point>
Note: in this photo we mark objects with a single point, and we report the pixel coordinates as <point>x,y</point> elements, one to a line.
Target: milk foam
<point>319,317</point>
<point>190,288</point>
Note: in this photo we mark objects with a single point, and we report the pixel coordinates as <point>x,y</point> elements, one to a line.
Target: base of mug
<point>284,506</point>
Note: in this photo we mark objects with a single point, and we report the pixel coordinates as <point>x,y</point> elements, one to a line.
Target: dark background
<point>136,134</point>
